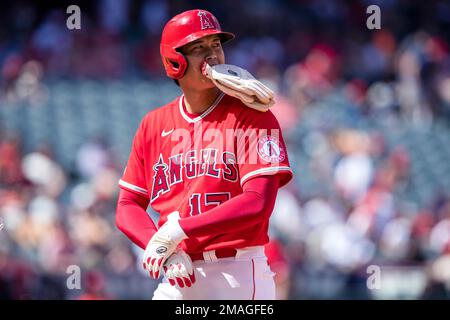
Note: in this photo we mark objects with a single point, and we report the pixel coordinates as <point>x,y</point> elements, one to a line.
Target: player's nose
<point>212,60</point>
<point>211,57</point>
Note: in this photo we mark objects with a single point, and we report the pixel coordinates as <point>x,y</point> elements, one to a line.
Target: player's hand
<point>241,84</point>
<point>162,245</point>
<point>179,270</point>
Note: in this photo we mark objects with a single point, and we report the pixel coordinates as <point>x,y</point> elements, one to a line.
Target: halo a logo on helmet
<point>205,22</point>
<point>270,150</point>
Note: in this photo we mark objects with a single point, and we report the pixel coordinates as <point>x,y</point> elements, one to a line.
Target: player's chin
<point>207,83</point>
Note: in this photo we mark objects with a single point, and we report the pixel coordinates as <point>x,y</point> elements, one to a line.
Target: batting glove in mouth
<point>239,83</point>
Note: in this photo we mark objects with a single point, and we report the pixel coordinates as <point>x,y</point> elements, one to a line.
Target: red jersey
<point>192,163</point>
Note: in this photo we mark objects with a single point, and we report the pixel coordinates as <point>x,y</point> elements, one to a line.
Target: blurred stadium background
<point>365,113</point>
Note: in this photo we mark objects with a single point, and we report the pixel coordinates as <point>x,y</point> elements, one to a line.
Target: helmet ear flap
<point>174,62</point>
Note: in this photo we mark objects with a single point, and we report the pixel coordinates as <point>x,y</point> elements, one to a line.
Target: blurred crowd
<point>332,237</point>
<point>310,52</point>
<point>53,219</point>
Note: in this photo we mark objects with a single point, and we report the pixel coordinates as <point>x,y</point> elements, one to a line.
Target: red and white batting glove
<point>179,270</point>
<point>162,245</point>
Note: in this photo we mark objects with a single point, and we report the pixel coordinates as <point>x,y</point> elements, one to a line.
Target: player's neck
<point>199,101</point>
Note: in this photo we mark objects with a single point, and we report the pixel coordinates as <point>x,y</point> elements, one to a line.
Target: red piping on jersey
<point>253,276</point>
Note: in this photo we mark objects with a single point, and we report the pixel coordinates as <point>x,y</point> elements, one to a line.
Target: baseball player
<point>210,163</point>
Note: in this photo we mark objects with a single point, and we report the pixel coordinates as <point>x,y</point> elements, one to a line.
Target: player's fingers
<point>180,282</point>
<point>237,94</point>
<point>157,264</point>
<point>227,82</point>
<point>250,89</point>
<point>259,106</point>
<point>166,271</point>
<point>175,271</point>
<point>246,98</point>
<point>241,87</point>
<point>160,264</point>
<point>189,268</point>
<point>222,87</point>
<point>235,80</point>
<point>267,94</point>
<point>150,267</point>
<point>262,107</point>
<point>249,86</point>
<point>239,83</point>
<point>219,82</point>
<point>184,274</point>
<point>157,267</point>
<point>153,266</point>
<point>182,270</point>
<point>262,86</point>
<point>231,92</point>
<point>266,88</point>
<point>187,282</point>
<point>150,270</point>
<point>260,94</point>
<point>253,87</point>
<point>170,276</point>
<point>177,275</point>
<point>263,96</point>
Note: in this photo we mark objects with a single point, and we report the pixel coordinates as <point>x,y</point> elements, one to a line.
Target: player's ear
<point>179,50</point>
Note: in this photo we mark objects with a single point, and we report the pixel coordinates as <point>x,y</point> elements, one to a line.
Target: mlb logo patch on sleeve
<point>270,150</point>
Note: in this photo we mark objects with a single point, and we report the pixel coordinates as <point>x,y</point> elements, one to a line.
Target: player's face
<point>207,49</point>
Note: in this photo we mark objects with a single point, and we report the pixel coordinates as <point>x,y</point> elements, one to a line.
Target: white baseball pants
<point>247,276</point>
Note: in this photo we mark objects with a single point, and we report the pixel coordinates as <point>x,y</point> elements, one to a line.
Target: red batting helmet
<point>183,29</point>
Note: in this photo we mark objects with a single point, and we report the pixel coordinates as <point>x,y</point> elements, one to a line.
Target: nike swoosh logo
<point>164,133</point>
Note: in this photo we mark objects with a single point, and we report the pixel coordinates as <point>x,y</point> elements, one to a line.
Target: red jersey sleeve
<point>261,149</point>
<point>133,178</point>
